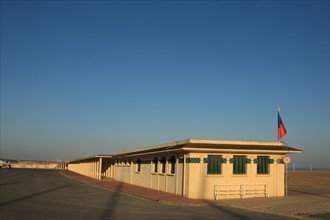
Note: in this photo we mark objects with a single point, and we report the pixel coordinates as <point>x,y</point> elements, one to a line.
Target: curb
<point>180,203</point>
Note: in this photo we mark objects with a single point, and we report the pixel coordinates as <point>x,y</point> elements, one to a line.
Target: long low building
<point>196,168</point>
<point>35,165</point>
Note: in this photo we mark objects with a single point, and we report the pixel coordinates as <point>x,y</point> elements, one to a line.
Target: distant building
<point>197,169</point>
<point>35,164</point>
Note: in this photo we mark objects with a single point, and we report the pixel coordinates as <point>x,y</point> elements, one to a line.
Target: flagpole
<point>285,165</point>
<point>278,112</point>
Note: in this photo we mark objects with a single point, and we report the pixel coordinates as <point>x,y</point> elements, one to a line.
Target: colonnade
<point>95,167</point>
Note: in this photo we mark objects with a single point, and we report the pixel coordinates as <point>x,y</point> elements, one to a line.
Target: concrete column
<point>166,171</point>
<point>89,169</point>
<point>95,170</point>
<point>176,173</point>
<point>104,166</point>
<point>113,169</point>
<point>131,170</point>
<point>95,166</point>
<point>100,169</point>
<point>108,169</point>
<point>91,164</point>
<point>184,175</point>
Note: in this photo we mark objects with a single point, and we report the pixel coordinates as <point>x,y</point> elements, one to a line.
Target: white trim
<point>241,151</point>
<point>202,141</point>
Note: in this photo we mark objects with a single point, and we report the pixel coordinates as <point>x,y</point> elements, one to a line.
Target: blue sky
<point>80,78</point>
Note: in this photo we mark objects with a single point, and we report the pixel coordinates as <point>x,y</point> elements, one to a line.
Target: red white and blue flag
<point>280,127</point>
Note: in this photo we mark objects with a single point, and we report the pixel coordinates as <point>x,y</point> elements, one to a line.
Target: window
<point>172,161</point>
<point>214,164</point>
<point>163,164</point>
<point>262,165</point>
<point>239,166</point>
<point>155,166</point>
<point>138,165</point>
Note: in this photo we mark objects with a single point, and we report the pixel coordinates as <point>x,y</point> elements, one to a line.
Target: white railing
<point>242,190</point>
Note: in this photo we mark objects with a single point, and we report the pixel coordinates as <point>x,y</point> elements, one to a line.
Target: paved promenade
<point>142,192</point>
<point>302,202</point>
<point>48,195</point>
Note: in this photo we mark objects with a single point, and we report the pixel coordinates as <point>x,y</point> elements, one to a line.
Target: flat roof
<point>214,144</point>
<point>92,157</point>
<point>205,145</point>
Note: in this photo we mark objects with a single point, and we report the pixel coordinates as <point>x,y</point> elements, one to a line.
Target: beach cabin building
<point>197,168</point>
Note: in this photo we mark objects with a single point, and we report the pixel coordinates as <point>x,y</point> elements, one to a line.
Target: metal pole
<point>278,112</point>
<point>184,169</point>
<point>286,179</point>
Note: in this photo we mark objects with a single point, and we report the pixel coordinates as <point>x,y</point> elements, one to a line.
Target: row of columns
<point>95,168</point>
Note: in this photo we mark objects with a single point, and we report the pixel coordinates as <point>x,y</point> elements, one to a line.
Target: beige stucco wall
<point>190,178</point>
<point>122,173</point>
<point>200,185</point>
<point>91,167</point>
<point>146,177</point>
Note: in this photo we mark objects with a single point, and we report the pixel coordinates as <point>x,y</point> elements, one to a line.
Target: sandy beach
<point>314,179</point>
<point>309,197</point>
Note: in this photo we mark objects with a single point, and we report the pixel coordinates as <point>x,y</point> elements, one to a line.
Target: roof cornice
<point>233,142</point>
<point>200,141</point>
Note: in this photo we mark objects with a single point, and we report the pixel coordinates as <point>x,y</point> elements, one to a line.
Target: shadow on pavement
<point>33,195</point>
<point>112,204</point>
<point>6,184</point>
<point>324,216</point>
<point>234,214</point>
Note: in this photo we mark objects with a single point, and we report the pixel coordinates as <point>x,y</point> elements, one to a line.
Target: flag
<point>280,127</point>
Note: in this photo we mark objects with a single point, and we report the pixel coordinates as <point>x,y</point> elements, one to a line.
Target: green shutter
<point>239,164</point>
<point>262,166</point>
<point>243,164</point>
<point>214,165</point>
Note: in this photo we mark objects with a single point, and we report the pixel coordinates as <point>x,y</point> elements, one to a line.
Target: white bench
<point>242,190</point>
